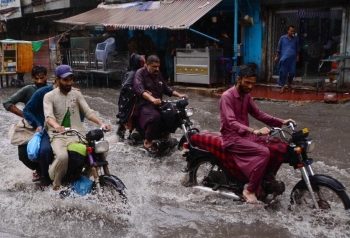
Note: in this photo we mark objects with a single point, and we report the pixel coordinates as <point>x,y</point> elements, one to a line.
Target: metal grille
<point>315,29</point>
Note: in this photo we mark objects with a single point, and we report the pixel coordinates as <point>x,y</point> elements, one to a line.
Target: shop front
<point>322,29</point>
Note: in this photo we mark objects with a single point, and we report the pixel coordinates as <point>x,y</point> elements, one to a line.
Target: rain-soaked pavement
<point>159,206</point>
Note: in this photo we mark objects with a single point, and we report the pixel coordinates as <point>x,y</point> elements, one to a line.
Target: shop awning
<point>175,14</point>
<point>317,3</point>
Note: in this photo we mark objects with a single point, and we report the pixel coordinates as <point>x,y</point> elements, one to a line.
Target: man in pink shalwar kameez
<point>247,145</point>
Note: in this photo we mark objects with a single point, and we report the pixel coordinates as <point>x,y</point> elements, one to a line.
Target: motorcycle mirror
<point>95,134</point>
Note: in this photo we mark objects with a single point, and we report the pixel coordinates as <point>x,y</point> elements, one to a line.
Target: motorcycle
<point>174,115</point>
<point>208,169</point>
<point>88,158</point>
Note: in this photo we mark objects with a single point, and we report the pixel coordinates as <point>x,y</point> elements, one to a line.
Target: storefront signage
<point>10,9</point>
<point>192,69</point>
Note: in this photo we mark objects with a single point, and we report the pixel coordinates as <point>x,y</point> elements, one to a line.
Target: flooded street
<point>158,205</point>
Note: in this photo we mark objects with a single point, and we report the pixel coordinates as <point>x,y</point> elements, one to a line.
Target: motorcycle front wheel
<point>112,188</point>
<point>328,196</point>
<point>207,172</point>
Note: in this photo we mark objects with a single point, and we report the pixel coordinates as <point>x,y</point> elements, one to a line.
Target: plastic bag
<point>82,185</point>
<point>33,146</point>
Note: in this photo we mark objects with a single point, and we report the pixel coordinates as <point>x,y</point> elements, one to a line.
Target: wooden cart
<point>16,57</point>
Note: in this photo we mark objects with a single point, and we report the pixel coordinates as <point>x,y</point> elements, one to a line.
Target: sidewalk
<point>299,93</point>
<point>272,92</point>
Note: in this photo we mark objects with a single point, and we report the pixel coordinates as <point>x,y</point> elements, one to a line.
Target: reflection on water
<point>158,205</point>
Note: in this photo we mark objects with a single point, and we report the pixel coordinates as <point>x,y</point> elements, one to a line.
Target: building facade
<point>323,28</point>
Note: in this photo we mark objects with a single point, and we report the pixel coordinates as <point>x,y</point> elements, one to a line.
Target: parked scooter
<point>209,169</point>
<point>88,158</point>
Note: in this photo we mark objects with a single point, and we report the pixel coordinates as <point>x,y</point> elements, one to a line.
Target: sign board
<point>10,9</point>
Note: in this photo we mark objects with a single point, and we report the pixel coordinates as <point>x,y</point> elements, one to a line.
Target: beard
<point>65,89</point>
<point>244,90</point>
<point>155,74</point>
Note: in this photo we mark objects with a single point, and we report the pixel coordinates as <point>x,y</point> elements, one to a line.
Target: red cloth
<point>213,143</point>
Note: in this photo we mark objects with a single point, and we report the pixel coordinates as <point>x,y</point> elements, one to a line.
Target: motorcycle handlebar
<point>104,130</point>
<point>282,132</point>
<point>180,103</point>
<point>67,130</point>
<point>291,125</point>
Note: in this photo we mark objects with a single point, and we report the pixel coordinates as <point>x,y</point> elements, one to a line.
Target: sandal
<point>36,176</point>
<point>152,150</point>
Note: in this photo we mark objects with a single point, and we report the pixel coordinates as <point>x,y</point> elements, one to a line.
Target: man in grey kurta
<point>246,144</point>
<point>58,103</point>
<point>150,87</point>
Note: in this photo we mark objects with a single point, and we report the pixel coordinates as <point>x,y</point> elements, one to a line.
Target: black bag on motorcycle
<point>169,117</point>
<point>77,154</point>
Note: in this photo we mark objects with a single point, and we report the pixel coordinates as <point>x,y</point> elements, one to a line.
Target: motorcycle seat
<point>209,141</point>
<point>212,142</point>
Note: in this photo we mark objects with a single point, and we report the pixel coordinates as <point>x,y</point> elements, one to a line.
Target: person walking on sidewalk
<point>287,56</point>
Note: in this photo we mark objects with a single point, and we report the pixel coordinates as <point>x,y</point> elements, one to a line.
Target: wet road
<point>158,205</point>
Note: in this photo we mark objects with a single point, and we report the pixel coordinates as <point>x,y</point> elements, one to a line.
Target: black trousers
<point>23,156</point>
<point>46,155</point>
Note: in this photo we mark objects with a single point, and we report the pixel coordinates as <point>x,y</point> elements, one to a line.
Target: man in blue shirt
<point>287,55</point>
<point>39,76</point>
<point>34,114</point>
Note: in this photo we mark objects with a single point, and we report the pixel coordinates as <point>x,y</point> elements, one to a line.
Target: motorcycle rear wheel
<point>208,173</point>
<point>328,198</point>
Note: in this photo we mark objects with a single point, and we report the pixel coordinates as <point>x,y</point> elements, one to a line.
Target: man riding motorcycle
<point>150,87</point>
<point>34,113</point>
<point>245,144</point>
<point>39,76</point>
<point>63,107</point>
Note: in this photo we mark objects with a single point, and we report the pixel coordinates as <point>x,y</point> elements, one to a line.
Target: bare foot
<point>283,89</point>
<point>250,197</point>
<point>147,144</point>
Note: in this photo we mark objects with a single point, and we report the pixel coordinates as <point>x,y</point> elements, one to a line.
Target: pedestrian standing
<point>287,56</point>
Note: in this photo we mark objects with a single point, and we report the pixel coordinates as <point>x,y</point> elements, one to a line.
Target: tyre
<point>207,172</point>
<point>113,189</point>
<point>328,196</point>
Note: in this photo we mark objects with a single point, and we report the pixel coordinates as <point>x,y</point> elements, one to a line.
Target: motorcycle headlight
<point>101,146</point>
<point>189,112</point>
<point>310,146</point>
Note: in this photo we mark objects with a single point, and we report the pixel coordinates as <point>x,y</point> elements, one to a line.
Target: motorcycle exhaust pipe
<point>220,192</point>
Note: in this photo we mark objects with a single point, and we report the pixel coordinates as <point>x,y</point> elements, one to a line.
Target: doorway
<point>319,32</point>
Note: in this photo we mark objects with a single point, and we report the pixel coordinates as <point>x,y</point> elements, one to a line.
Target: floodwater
<point>158,205</point>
